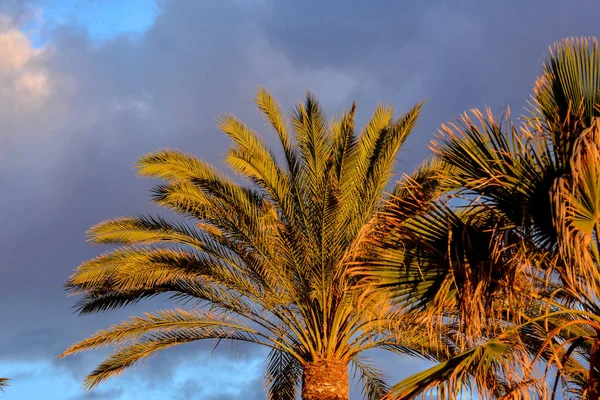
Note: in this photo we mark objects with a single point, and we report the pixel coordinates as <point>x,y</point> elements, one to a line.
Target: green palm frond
<point>506,166</point>
<point>283,375</point>
<point>445,261</point>
<point>372,379</point>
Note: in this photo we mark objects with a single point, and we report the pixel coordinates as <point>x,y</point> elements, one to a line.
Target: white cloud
<point>22,79</point>
<point>33,83</point>
<point>15,50</point>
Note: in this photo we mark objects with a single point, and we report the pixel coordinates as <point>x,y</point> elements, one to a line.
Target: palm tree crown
<point>544,179</point>
<point>511,274</point>
<point>264,263</point>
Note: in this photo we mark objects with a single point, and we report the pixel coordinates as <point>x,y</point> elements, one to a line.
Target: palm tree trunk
<point>325,380</point>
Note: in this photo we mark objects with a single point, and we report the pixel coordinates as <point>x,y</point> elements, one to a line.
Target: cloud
<point>34,84</point>
<point>71,163</point>
<point>22,79</point>
<point>456,54</point>
<point>140,106</point>
<point>15,48</point>
<point>18,11</point>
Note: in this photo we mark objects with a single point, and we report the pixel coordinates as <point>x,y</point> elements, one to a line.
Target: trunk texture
<point>325,380</point>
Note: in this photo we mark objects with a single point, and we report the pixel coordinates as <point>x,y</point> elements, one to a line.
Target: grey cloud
<point>19,10</point>
<point>456,54</point>
<point>194,390</point>
<point>316,33</point>
<point>100,394</point>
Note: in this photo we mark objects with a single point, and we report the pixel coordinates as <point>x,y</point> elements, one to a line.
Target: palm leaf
<point>283,375</point>
<point>372,379</point>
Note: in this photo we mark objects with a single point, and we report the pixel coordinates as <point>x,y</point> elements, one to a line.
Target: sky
<point>87,86</point>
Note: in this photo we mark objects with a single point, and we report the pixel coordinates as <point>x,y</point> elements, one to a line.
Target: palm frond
<point>372,379</point>
<point>567,94</point>
<point>283,375</point>
<point>479,365</point>
<point>271,110</point>
<point>138,351</point>
<point>167,321</point>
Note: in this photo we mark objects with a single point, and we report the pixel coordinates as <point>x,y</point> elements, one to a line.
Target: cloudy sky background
<point>86,86</point>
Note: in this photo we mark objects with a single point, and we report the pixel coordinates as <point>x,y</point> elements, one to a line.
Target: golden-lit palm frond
<point>567,94</point>
<point>493,367</point>
<point>461,272</point>
<point>4,382</point>
<point>576,199</point>
<point>577,205</point>
<point>507,167</point>
<point>168,321</point>
<point>454,263</point>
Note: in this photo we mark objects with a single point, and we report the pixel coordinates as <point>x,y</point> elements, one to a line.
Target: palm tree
<point>436,261</point>
<point>264,263</point>
<point>516,264</point>
<point>3,383</point>
<point>546,184</point>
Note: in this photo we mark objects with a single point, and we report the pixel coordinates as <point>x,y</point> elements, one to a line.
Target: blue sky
<point>42,380</point>
<point>88,86</point>
<point>101,19</point>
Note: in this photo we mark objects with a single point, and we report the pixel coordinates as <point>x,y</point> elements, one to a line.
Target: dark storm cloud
<point>456,54</point>
<point>66,158</point>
